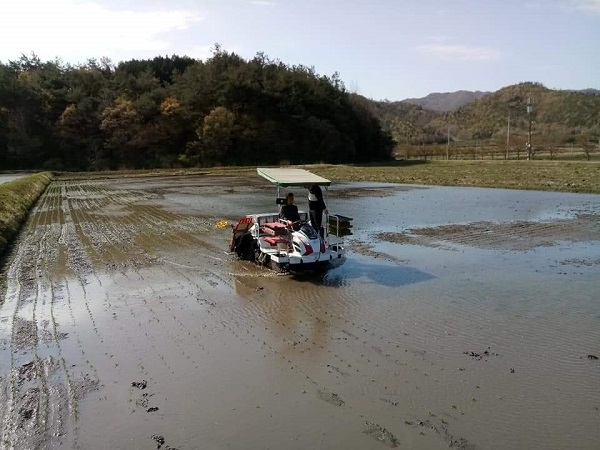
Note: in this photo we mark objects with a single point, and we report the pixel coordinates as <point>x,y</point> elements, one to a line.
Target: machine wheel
<point>244,247</point>
<point>280,267</point>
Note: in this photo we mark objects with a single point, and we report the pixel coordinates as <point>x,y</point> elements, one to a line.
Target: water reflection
<point>391,275</point>
<point>4,178</point>
<point>296,314</point>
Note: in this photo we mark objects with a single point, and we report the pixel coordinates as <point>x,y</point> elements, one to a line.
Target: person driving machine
<point>289,211</point>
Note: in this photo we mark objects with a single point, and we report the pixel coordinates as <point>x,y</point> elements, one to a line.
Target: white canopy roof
<point>291,177</point>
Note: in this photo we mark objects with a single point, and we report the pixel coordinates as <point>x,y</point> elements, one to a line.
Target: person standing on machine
<point>316,207</point>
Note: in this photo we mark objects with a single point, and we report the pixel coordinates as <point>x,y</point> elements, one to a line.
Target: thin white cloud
<point>73,29</point>
<point>202,52</point>
<point>592,6</point>
<point>263,2</point>
<point>454,52</point>
<point>205,52</point>
<point>586,6</point>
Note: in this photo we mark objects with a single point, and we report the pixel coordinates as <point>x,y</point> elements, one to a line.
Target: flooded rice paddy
<point>4,178</point>
<point>463,318</point>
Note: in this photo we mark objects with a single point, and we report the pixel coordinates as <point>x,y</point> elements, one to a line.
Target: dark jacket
<point>315,201</point>
<point>290,212</point>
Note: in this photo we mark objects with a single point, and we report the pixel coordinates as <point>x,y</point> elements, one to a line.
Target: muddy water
<point>9,177</point>
<point>462,317</point>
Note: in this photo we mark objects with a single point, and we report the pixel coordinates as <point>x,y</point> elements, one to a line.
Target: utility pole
<point>529,147</point>
<point>448,145</point>
<point>507,135</point>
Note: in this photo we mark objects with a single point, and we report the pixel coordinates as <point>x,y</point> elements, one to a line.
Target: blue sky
<point>382,49</point>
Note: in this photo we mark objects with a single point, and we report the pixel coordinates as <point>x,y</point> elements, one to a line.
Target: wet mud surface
<point>462,319</point>
<point>4,178</point>
<point>504,236</point>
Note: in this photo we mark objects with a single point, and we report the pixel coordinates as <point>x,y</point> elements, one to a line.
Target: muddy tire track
<point>33,416</point>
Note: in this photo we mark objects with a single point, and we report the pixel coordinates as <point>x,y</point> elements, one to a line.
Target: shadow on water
<point>391,275</point>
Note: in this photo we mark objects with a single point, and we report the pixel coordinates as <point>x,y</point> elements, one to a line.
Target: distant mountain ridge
<point>589,91</point>
<point>447,101</point>
<point>557,116</point>
<point>451,101</point>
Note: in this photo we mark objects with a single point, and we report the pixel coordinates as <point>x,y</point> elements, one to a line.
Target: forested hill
<point>177,111</point>
<point>558,117</point>
<point>446,101</point>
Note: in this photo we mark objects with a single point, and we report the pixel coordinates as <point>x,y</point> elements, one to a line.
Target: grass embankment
<point>16,198</point>
<point>563,176</point>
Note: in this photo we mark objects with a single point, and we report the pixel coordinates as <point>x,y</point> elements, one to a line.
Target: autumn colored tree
<point>175,110</point>
<point>119,122</point>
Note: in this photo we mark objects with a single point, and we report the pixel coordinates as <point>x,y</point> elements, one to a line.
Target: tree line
<point>500,121</point>
<point>178,111</point>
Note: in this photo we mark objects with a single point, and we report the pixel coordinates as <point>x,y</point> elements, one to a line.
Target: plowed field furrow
<point>129,326</point>
<point>105,230</point>
<point>105,248</point>
<point>77,293</point>
<point>162,320</point>
<point>151,333</point>
<point>128,359</point>
<point>159,314</point>
<point>291,344</point>
<point>153,217</point>
<point>335,382</point>
<point>160,330</point>
<point>111,253</point>
<point>10,382</point>
<point>96,209</point>
<point>393,376</point>
<point>79,374</point>
<point>82,324</point>
<point>30,421</point>
<point>62,409</point>
<point>76,256</point>
<point>57,418</point>
<point>191,292</point>
<point>162,324</point>
<point>393,360</point>
<point>79,243</point>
